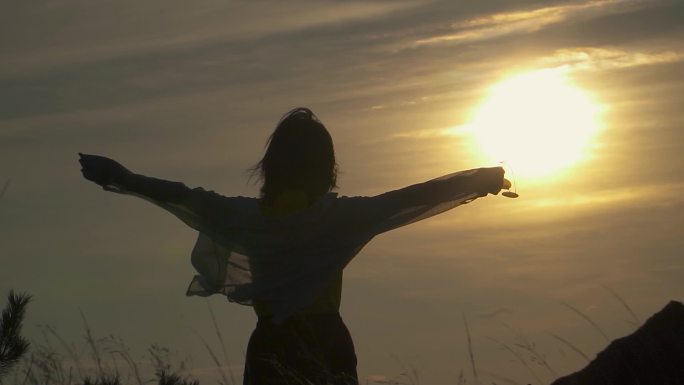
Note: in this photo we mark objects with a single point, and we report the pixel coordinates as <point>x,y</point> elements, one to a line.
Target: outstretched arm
<point>401,207</point>
<point>477,182</point>
<point>112,176</point>
<point>199,207</point>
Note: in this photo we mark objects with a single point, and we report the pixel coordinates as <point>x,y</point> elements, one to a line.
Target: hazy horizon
<point>191,92</point>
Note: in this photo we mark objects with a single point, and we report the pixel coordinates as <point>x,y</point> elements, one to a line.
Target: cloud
<point>61,34</point>
<point>500,24</point>
<point>601,58</point>
<point>668,194</point>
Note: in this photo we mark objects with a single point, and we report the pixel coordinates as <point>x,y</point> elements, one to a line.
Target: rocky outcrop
<point>652,355</point>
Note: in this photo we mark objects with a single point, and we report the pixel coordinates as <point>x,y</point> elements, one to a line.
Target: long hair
<point>299,156</point>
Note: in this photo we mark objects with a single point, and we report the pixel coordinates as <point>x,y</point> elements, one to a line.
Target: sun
<point>537,122</point>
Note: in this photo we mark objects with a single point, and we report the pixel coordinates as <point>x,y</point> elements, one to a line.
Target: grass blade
<point>588,319</point>
<point>571,346</point>
<point>624,303</point>
<point>470,349</point>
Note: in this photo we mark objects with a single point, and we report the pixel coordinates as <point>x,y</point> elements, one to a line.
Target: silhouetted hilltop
<point>652,355</point>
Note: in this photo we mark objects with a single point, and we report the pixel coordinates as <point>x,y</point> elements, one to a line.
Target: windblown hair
<point>299,156</point>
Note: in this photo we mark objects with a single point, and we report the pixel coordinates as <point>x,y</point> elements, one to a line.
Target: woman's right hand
<point>101,170</point>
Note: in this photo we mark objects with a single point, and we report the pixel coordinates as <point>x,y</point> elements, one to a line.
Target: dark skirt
<point>305,349</point>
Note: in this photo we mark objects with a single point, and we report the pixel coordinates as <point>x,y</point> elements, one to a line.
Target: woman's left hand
<point>489,180</point>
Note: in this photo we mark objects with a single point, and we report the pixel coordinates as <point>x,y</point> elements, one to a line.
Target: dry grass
<point>108,361</point>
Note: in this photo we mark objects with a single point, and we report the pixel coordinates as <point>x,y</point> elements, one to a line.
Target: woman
<point>283,253</point>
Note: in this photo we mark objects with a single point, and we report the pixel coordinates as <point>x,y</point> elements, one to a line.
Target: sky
<point>190,91</point>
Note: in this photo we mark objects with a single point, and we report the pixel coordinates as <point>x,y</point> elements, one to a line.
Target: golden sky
<point>190,91</point>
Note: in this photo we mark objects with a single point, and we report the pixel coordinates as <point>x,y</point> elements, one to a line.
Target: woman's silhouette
<point>283,253</point>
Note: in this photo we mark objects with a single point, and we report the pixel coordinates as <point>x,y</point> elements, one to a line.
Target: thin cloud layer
<point>526,21</point>
<point>81,31</point>
<point>605,58</point>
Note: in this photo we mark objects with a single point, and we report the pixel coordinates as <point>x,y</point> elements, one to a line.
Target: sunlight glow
<point>537,122</point>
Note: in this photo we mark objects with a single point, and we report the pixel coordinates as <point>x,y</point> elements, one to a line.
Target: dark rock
<point>652,355</point>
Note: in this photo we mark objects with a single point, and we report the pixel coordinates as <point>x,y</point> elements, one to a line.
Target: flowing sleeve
<point>200,209</point>
<point>217,218</point>
<point>393,209</point>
